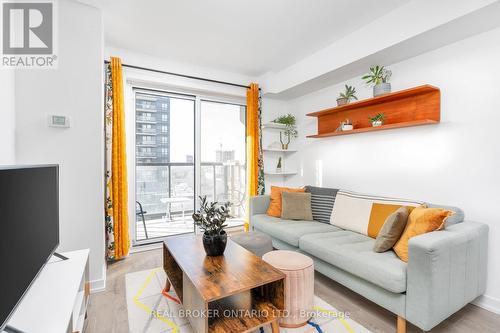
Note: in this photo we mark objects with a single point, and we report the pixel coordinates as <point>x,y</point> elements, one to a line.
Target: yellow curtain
<point>255,176</point>
<point>119,164</point>
<point>252,138</point>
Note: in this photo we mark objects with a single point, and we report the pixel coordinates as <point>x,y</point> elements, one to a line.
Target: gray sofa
<point>445,270</point>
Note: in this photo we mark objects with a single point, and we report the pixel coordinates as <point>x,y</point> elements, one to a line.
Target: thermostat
<point>58,121</point>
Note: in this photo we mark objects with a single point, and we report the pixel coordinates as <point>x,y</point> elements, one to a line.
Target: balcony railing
<point>219,182</point>
<point>146,154</point>
<point>148,131</point>
<point>143,109</point>
<point>148,120</point>
<point>146,143</point>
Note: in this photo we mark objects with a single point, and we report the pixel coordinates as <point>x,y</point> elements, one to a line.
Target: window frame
<point>196,96</point>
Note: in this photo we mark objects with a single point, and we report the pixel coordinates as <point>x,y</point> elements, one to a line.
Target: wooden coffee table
<point>236,292</point>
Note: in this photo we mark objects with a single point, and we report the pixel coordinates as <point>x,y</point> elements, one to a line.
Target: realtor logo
<point>28,34</point>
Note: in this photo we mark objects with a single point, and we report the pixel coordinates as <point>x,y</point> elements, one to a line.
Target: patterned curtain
<point>116,206</point>
<point>255,163</point>
<point>261,185</point>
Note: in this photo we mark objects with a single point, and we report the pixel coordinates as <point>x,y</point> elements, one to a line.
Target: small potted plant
<point>347,125</point>
<point>290,131</point>
<point>278,166</point>
<point>211,218</point>
<point>379,77</point>
<point>377,120</point>
<point>346,96</point>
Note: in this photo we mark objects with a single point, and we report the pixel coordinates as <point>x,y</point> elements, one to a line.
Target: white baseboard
<point>488,303</point>
<point>99,284</point>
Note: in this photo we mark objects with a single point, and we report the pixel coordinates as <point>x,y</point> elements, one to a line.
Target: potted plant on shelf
<point>211,218</point>
<point>290,131</point>
<point>346,96</point>
<point>347,125</point>
<point>377,120</point>
<point>278,167</point>
<point>379,77</point>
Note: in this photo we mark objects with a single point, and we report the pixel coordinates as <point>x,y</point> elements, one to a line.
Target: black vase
<point>215,244</point>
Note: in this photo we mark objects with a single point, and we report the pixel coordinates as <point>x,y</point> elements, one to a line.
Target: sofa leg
<point>401,326</point>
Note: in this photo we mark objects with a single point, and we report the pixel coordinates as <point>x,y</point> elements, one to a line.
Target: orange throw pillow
<point>420,221</point>
<point>275,204</point>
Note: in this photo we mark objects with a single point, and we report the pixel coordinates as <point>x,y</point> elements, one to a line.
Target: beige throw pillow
<point>296,206</point>
<point>392,229</point>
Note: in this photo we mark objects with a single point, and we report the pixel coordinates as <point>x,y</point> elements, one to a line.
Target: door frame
<point>198,98</point>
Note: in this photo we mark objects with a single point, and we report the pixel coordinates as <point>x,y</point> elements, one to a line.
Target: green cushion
<point>353,253</point>
<point>289,231</point>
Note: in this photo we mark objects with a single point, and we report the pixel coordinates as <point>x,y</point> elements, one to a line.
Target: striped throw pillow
<point>322,201</point>
<point>363,213</point>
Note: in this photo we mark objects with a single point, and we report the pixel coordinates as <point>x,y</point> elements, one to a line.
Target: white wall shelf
<point>282,173</point>
<point>271,125</point>
<point>272,155</point>
<point>273,150</point>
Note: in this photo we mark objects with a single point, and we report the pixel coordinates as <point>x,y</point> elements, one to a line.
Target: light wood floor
<point>108,310</point>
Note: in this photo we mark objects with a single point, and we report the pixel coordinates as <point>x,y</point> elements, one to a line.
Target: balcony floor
<point>164,227</point>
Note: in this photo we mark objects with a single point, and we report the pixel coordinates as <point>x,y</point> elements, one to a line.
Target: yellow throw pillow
<point>378,214</point>
<point>420,221</point>
<point>275,204</point>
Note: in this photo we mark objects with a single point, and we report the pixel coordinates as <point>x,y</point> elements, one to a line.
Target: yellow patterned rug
<point>151,311</point>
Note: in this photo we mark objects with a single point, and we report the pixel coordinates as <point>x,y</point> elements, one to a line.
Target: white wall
<point>7,117</point>
<point>75,89</point>
<point>456,162</point>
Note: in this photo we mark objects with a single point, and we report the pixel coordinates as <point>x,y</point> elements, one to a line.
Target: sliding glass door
<point>164,155</point>
<point>173,166</point>
<point>223,156</point>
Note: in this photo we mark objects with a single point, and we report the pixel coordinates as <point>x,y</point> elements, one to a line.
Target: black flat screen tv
<point>29,229</point>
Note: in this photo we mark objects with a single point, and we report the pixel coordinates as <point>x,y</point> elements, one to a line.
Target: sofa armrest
<point>258,205</point>
<point>446,270</point>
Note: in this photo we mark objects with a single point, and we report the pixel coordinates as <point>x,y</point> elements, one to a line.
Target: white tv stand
<point>57,300</point>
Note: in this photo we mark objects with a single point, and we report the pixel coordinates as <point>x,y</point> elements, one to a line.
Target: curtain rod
<point>183,75</point>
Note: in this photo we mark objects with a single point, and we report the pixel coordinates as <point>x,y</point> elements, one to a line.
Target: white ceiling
<point>246,37</point>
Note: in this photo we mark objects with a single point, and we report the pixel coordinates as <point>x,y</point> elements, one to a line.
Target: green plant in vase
<point>211,218</point>
<point>290,130</point>
<point>377,120</point>
<point>379,77</point>
<point>278,166</point>
<point>346,96</point>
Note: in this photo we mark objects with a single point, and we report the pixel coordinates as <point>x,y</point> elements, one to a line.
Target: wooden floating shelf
<point>411,107</point>
<point>379,128</point>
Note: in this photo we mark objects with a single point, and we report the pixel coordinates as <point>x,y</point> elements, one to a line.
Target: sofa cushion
<point>296,206</point>
<point>353,252</point>
<point>392,229</point>
<point>274,208</point>
<point>364,213</point>
<point>289,231</point>
<point>322,200</point>
<point>420,221</point>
